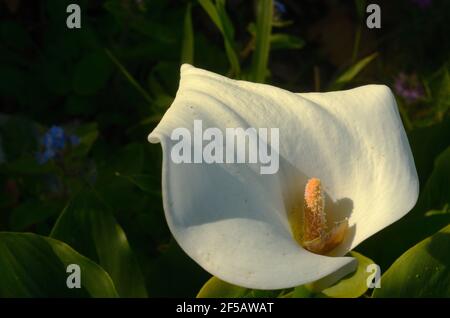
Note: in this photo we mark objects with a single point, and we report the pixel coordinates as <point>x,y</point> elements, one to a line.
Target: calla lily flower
<point>241,225</point>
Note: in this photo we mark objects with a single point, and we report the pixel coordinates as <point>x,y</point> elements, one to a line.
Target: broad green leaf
<point>436,193</point>
<point>187,51</point>
<point>354,284</point>
<point>87,225</point>
<point>443,96</point>
<point>426,143</point>
<point>302,291</point>
<point>439,84</point>
<point>35,266</point>
<point>352,71</point>
<point>216,288</point>
<point>285,41</point>
<point>91,73</point>
<point>262,42</point>
<point>423,271</point>
<point>218,15</point>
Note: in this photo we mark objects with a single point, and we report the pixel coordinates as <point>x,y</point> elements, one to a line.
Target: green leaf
<point>423,271</point>
<point>302,291</point>
<point>436,193</point>
<point>87,225</point>
<point>443,95</point>
<point>285,41</point>
<point>35,266</point>
<point>218,15</point>
<point>352,71</point>
<point>187,51</point>
<point>426,144</point>
<point>445,210</point>
<point>92,73</point>
<point>216,288</point>
<point>439,84</point>
<point>262,41</point>
<point>211,10</point>
<point>354,284</point>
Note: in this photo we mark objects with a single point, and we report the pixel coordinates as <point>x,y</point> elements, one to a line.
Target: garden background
<point>76,105</point>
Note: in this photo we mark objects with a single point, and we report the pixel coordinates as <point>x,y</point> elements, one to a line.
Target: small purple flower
<point>409,87</point>
<point>423,3</point>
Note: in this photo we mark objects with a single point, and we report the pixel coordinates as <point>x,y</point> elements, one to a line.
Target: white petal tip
<point>154,138</point>
<point>185,66</point>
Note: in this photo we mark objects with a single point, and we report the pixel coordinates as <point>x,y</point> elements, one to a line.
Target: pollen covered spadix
<point>316,236</point>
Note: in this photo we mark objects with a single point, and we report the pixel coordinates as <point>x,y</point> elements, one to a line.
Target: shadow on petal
<point>293,183</point>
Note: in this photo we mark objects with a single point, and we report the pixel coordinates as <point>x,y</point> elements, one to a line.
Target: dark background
<point>109,83</point>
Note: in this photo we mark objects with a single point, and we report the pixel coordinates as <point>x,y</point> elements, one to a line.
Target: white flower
<point>242,226</point>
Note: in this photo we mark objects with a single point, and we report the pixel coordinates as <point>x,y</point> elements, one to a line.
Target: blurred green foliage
<point>110,82</point>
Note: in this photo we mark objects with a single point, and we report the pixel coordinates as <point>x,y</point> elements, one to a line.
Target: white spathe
<point>233,221</point>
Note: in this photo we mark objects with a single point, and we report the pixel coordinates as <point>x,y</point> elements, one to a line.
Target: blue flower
<point>53,142</point>
<point>55,138</point>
